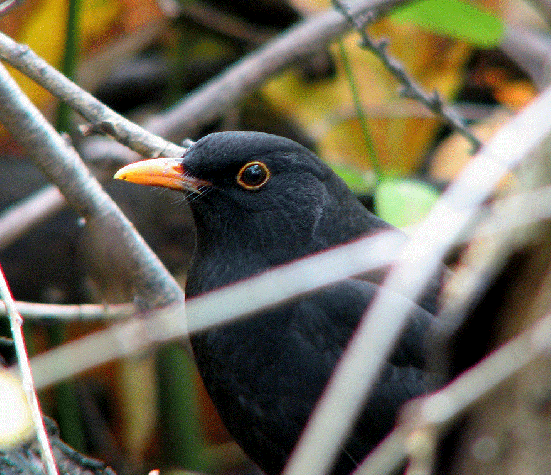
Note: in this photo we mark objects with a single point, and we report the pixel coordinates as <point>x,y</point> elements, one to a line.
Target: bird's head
<point>257,189</point>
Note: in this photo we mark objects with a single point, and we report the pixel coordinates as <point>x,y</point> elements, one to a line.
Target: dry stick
<point>418,261</point>
<point>210,101</point>
<point>544,7</point>
<point>205,104</point>
<point>214,308</point>
<point>444,406</point>
<point>102,117</point>
<point>269,289</point>
<point>63,166</point>
<point>17,219</point>
<point>16,324</point>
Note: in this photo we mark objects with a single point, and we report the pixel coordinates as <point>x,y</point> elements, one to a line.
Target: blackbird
<point>259,201</point>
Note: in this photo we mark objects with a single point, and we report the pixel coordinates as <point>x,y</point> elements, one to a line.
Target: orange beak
<point>165,172</point>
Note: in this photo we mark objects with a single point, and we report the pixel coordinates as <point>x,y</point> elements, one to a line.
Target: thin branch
<point>270,288</point>
<point>220,306</point>
<point>16,324</point>
<point>210,101</point>
<point>17,219</point>
<point>63,166</point>
<point>418,260</point>
<point>442,407</point>
<point>410,88</point>
<point>8,5</point>
<point>85,312</point>
<point>544,6</point>
<point>200,107</point>
<point>103,118</point>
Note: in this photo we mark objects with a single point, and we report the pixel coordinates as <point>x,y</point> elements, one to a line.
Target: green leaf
<point>360,183</point>
<point>404,202</point>
<point>455,18</point>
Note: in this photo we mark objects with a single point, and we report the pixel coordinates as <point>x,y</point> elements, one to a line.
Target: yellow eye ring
<point>253,175</point>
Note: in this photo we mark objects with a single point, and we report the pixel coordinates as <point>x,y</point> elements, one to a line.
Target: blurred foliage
<point>139,59</point>
<point>456,19</point>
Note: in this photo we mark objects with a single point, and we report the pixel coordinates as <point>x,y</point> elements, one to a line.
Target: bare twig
<point>86,312</point>
<point>417,262</point>
<point>214,308</point>
<point>16,220</point>
<point>270,288</point>
<point>410,88</point>
<point>63,166</point>
<point>206,104</point>
<point>8,5</point>
<point>209,101</point>
<point>531,51</point>
<point>442,407</point>
<point>544,6</point>
<point>221,93</point>
<point>102,117</point>
<point>16,324</point>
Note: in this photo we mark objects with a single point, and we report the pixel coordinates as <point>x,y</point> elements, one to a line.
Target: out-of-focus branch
<point>103,119</point>
<point>417,261</point>
<point>442,407</point>
<point>16,324</point>
<point>8,5</point>
<point>217,307</point>
<point>531,50</point>
<point>270,288</point>
<point>222,92</point>
<point>544,7</point>
<point>63,166</point>
<point>16,220</point>
<point>209,101</point>
<point>410,88</point>
<point>85,312</point>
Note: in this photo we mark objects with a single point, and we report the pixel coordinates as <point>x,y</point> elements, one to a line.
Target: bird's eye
<point>253,175</point>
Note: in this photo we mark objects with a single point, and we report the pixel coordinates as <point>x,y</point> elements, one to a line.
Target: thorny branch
<point>410,88</point>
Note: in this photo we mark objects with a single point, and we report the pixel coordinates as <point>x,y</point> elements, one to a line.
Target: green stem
<point>68,406</point>
<point>369,145</point>
<point>70,59</point>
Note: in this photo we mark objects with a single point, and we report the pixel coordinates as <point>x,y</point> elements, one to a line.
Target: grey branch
<point>103,119</point>
<point>417,262</point>
<point>205,104</point>
<point>410,88</point>
<point>217,96</point>
<point>443,407</point>
<point>17,219</point>
<point>62,165</point>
